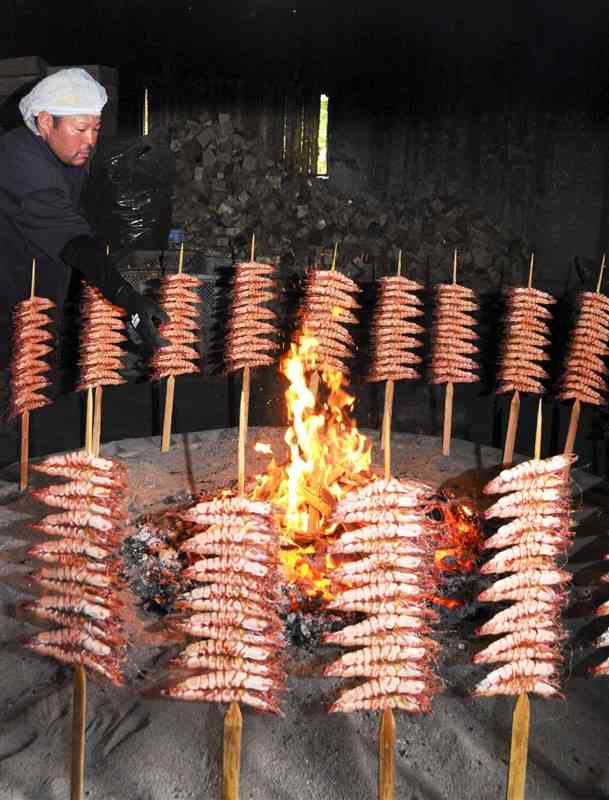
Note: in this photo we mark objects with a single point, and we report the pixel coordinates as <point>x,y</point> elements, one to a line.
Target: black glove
<point>144,313</point>
<point>88,256</point>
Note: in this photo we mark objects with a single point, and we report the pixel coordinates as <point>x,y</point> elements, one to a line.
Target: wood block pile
<point>228,187</point>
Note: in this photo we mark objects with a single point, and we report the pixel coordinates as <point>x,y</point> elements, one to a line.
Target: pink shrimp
<point>524,614</point>
<point>380,560</point>
<point>56,550</point>
<point>191,627</point>
<point>101,580</point>
<point>381,687</point>
<point>518,639</point>
<point>226,663</point>
<point>398,546</point>
<point>409,703</point>
<point>222,566</point>
<point>382,623</point>
<point>537,499</point>
<point>376,577</point>
<point>245,591</point>
<point>73,638</point>
<point>525,580</point>
<point>228,647</point>
<point>499,564</point>
<point>381,591</point>
<point>257,623</point>
<point>109,668</point>
<point>85,519</point>
<point>73,603</point>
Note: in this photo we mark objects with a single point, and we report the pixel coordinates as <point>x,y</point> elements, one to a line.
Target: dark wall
<point>540,173</point>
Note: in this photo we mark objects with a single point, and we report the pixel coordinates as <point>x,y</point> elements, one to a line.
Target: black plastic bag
<point>128,197</point>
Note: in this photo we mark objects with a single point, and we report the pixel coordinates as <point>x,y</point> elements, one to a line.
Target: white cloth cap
<point>68,92</point>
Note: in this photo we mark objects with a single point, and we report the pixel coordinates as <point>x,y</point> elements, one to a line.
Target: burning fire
<point>328,457</point>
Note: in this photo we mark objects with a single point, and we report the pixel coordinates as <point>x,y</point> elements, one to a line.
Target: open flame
<point>328,456</point>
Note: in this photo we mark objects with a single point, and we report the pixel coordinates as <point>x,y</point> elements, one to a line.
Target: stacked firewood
<point>233,613</point>
<point>536,496</point>
<point>227,186</point>
<point>328,305</point>
<point>393,332</point>
<point>81,584</point>
<point>387,527</point>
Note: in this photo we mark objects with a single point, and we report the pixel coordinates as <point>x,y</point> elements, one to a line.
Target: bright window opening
<point>322,138</point>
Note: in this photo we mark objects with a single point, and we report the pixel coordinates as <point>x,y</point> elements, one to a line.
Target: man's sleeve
<point>49,221</point>
<point>46,216</point>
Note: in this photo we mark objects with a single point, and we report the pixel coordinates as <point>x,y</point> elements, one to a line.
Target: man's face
<point>72,139</point>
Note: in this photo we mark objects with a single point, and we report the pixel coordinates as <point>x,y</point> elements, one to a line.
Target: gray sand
<point>142,748</point>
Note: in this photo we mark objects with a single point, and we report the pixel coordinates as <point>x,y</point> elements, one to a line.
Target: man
<point>42,170</point>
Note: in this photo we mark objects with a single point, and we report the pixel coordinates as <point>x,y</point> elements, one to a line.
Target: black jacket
<point>39,215</point>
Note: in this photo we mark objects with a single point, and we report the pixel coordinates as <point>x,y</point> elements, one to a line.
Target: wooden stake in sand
<point>450,392</point>
<point>233,721</point>
<point>231,753</point>
<point>387,756</point>
<point>24,450</point>
<point>79,718</point>
<point>519,746</point>
<point>576,408</point>
<point>512,428</point>
<point>170,387</point>
<point>388,409</point>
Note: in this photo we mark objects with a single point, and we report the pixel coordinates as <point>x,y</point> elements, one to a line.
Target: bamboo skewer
<point>386,436</point>
<point>573,424</point>
<point>97,418</point>
<point>243,424</point>
<point>89,421</point>
<point>519,748</point>
<point>450,391</point>
<point>388,409</point>
<point>170,387</point>
<point>233,721</point>
<point>510,436</point>
<point>519,745</point>
<point>231,752</point>
<point>24,448</point>
<point>386,785</point>
<point>576,407</point>
<point>79,718</point>
<point>514,416</point>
